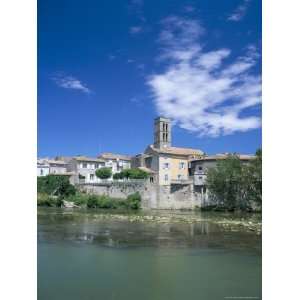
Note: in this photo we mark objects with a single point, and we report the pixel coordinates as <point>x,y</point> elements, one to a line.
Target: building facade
<point>49,166</point>
<point>117,162</point>
<point>85,168</point>
<point>169,164</point>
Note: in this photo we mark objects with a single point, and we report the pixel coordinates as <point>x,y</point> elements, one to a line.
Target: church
<point>166,164</point>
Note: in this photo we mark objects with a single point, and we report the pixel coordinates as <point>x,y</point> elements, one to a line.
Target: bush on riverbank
<point>133,201</point>
<point>48,200</point>
<point>57,185</point>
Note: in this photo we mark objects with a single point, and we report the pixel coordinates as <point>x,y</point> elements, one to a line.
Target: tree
<point>104,173</point>
<point>58,185</point>
<point>253,178</point>
<point>236,185</point>
<point>134,173</point>
<point>117,176</point>
<point>226,184</point>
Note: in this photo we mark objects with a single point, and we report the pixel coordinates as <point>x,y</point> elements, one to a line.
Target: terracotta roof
<point>226,155</point>
<point>57,162</point>
<point>147,170</point>
<point>108,155</point>
<point>85,158</point>
<point>50,161</point>
<point>177,151</point>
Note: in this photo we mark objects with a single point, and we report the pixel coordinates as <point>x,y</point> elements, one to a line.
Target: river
<point>91,254</point>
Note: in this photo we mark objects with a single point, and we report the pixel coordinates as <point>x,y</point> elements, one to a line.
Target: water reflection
<point>84,227</point>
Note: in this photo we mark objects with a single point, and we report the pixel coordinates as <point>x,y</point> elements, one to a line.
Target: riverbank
<point>249,222</point>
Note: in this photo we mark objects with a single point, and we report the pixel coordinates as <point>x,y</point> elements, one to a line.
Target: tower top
<point>162,132</point>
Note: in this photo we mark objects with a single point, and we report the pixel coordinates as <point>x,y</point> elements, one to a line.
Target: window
<point>181,165</point>
<point>166,177</point>
<point>200,177</point>
<point>92,176</point>
<point>84,165</point>
<point>166,166</point>
<point>199,168</point>
<point>96,166</point>
<point>179,176</point>
<point>42,172</point>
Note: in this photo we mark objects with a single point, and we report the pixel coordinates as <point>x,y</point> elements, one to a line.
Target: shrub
<point>92,201</point>
<point>47,200</point>
<point>117,176</point>
<point>132,174</point>
<point>55,185</point>
<point>79,199</point>
<point>104,173</point>
<point>134,201</point>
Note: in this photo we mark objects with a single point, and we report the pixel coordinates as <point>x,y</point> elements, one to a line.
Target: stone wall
<point>175,196</point>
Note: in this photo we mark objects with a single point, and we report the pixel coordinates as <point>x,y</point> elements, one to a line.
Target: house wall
<point>173,170</point>
<point>177,170</point>
<point>174,196</point>
<point>58,169</point>
<point>85,169</point>
<point>42,170</point>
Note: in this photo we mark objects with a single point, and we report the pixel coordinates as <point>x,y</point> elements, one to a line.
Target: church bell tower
<point>162,132</point>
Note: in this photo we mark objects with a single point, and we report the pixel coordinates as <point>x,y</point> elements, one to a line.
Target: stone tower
<point>162,132</point>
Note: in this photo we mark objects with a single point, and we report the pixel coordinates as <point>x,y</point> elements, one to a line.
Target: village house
<point>85,168</point>
<point>199,167</point>
<point>49,166</point>
<point>169,164</point>
<point>117,162</point>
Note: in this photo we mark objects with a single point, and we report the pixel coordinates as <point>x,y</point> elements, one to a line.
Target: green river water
<point>90,254</point>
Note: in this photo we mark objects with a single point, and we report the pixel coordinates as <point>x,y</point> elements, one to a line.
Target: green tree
<point>58,185</point>
<point>104,173</point>
<point>117,176</point>
<point>236,185</point>
<point>133,173</point>
<point>134,201</point>
<point>226,184</point>
<point>253,179</point>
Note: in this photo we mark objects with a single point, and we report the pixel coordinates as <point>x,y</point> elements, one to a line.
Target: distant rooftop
<point>221,156</point>
<point>108,155</point>
<point>85,158</point>
<point>177,150</point>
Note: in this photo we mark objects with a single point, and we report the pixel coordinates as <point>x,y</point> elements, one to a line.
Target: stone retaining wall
<point>174,196</point>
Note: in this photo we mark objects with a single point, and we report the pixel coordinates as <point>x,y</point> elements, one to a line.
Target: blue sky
<point>107,68</point>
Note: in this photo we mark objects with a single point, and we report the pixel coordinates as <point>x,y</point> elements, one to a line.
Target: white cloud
<point>70,82</point>
<point>135,29</point>
<point>204,92</point>
<point>239,12</point>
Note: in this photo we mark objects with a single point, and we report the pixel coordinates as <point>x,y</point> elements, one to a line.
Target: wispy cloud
<point>135,29</point>
<point>70,82</point>
<point>204,92</point>
<point>189,8</point>
<point>239,12</point>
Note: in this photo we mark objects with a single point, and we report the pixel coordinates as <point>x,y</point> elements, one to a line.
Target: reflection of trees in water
<point>87,229</point>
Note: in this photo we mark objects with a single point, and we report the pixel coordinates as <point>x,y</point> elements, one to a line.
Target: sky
<point>107,68</point>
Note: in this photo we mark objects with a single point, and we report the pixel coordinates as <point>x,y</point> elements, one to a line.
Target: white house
<point>117,162</point>
<point>85,168</point>
<point>47,166</point>
<point>43,167</point>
